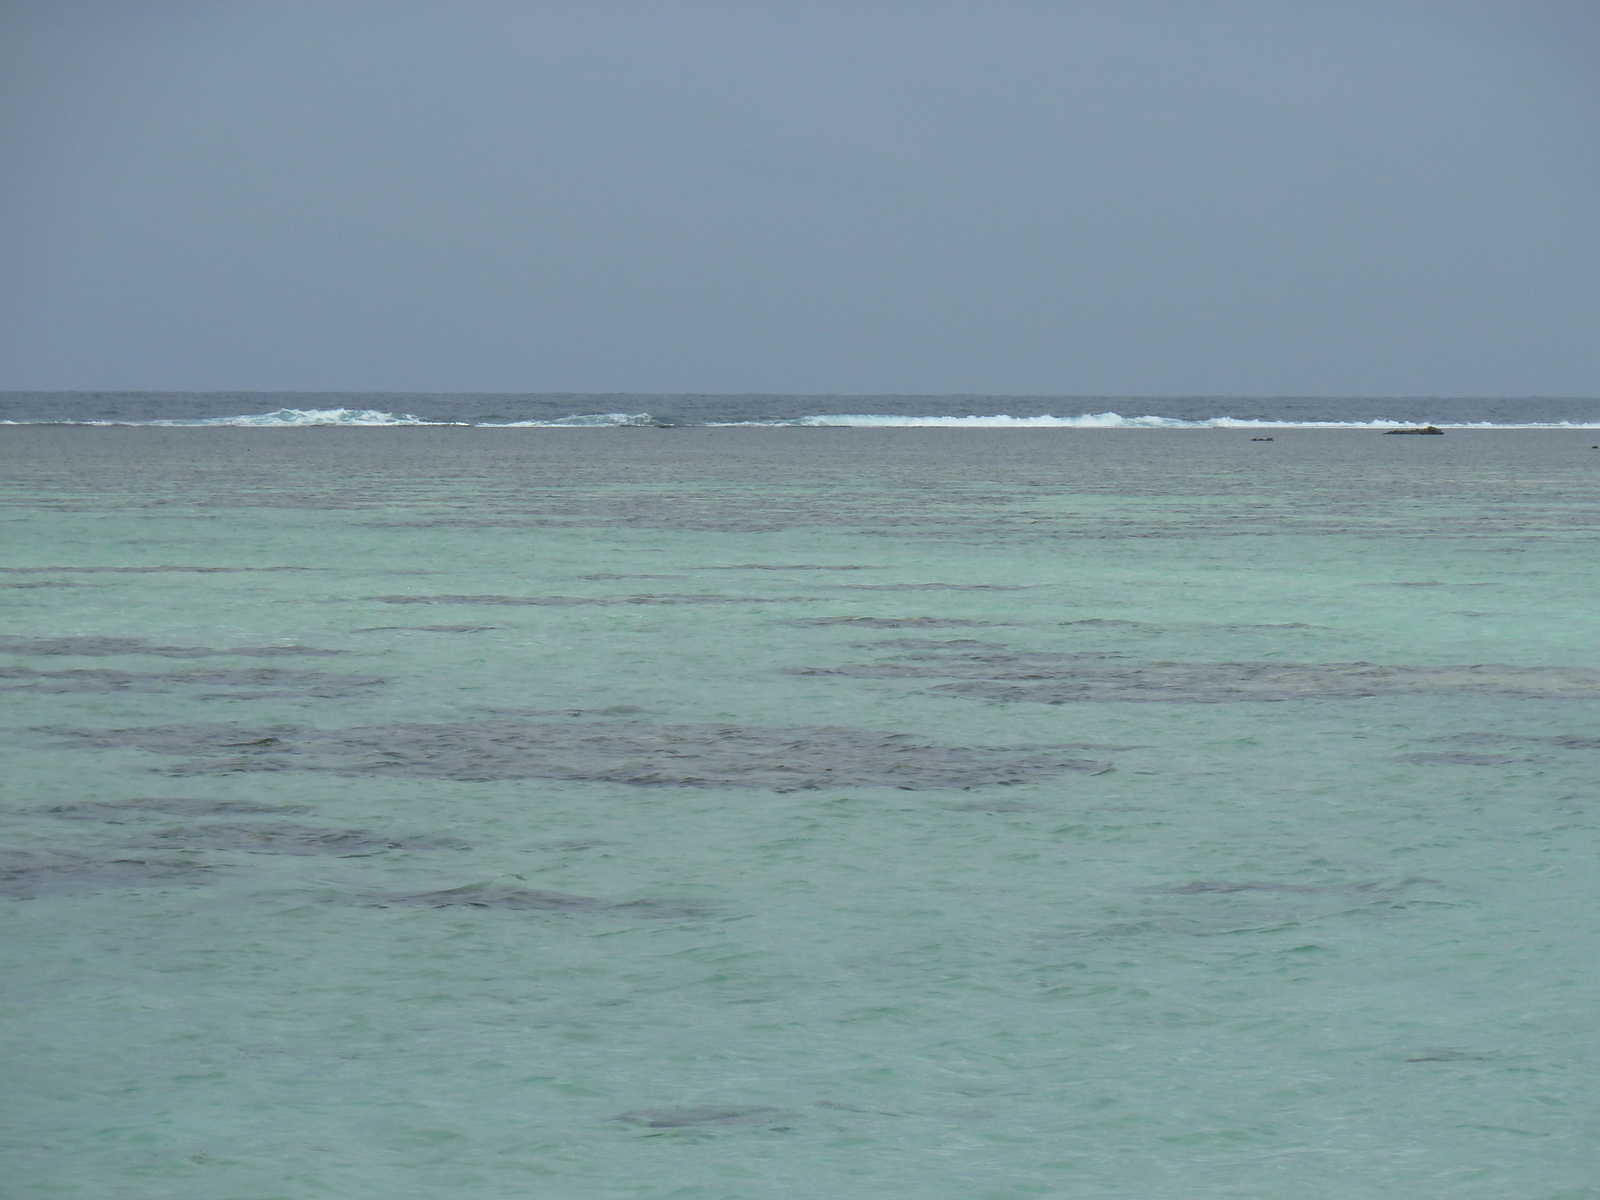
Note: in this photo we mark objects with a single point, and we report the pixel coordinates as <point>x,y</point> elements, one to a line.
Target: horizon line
<point>806,395</point>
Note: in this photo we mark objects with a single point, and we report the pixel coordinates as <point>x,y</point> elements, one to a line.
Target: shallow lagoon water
<point>834,813</point>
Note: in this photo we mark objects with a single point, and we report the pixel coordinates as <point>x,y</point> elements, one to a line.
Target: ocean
<point>767,798</point>
<point>572,409</point>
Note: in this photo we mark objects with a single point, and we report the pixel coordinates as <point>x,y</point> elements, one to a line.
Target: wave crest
<point>284,418</point>
<point>1111,420</point>
<point>580,421</point>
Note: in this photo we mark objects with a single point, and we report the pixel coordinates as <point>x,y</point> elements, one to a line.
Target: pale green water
<point>1265,955</point>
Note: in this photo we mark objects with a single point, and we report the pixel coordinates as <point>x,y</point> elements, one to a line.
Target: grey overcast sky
<point>1127,197</point>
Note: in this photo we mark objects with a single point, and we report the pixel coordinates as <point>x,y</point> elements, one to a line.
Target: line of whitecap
<point>284,418</point>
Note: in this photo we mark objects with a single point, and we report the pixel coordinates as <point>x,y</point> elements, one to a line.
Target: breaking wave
<point>281,418</point>
<point>284,418</point>
<point>580,421</point>
<point>1111,420</point>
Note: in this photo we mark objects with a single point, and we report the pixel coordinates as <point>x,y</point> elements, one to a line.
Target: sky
<point>1042,197</point>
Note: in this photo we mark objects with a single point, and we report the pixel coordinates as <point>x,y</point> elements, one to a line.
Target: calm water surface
<point>746,814</point>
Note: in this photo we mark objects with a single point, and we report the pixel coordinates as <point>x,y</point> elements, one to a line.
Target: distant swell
<point>285,418</point>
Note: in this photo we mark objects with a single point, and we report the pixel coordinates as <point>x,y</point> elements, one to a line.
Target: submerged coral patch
<point>1561,741</point>
<point>117,812</point>
<point>27,875</point>
<point>161,570</point>
<point>520,899</point>
<point>602,601</point>
<point>700,756</point>
<point>99,647</point>
<point>954,644</point>
<point>1065,678</point>
<point>928,587</point>
<point>700,1115</point>
<point>104,682</point>
<point>894,622</point>
<point>1459,758</point>
<point>291,839</point>
<point>427,629</point>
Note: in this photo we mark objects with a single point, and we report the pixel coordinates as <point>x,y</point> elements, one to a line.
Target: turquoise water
<point>834,813</point>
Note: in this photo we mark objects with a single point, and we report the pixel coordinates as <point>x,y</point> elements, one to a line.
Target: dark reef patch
<point>117,812</point>
<point>928,587</point>
<point>101,682</point>
<point>1204,887</point>
<point>700,756</point>
<point>1459,758</point>
<point>146,570</point>
<point>27,875</point>
<point>516,899</point>
<point>967,645</point>
<point>99,647</point>
<point>998,806</point>
<point>1068,678</point>
<point>428,628</point>
<point>680,1118</point>
<point>894,622</point>
<point>1561,741</point>
<point>291,839</point>
<point>602,601</point>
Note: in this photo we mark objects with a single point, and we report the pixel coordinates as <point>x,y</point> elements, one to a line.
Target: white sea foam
<point>580,421</point>
<point>311,416</point>
<point>1111,420</point>
<point>348,417</point>
<point>282,418</point>
<point>285,418</point>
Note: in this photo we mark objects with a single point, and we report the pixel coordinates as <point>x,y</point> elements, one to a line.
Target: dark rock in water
<point>1260,439</point>
<point>117,812</point>
<point>679,1118</point>
<point>700,756</point>
<point>27,875</point>
<point>1420,429</point>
